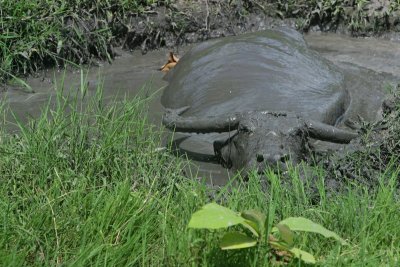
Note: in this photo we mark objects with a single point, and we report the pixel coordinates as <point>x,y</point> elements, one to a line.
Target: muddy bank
<point>46,34</point>
<point>183,23</point>
<point>371,159</point>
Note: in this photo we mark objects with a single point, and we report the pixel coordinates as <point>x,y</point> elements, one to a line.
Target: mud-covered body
<point>269,70</point>
<point>242,82</point>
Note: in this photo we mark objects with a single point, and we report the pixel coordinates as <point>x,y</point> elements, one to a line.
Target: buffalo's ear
<point>325,132</point>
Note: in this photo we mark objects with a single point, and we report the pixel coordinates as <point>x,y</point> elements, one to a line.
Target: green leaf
<point>305,225</point>
<point>303,255</point>
<point>252,227</point>
<point>255,219</point>
<point>236,240</point>
<point>214,216</point>
<point>286,234</point>
<point>297,253</point>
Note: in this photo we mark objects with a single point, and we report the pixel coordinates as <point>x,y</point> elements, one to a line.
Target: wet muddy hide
<point>239,84</point>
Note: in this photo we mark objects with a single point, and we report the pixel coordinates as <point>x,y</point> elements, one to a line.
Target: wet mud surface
<point>370,62</point>
<point>131,74</point>
<point>375,54</point>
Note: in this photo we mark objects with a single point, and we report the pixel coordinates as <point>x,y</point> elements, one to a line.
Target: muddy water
<point>381,56</point>
<point>129,75</point>
<point>371,62</point>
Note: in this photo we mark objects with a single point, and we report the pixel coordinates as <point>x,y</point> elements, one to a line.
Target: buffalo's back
<point>270,70</point>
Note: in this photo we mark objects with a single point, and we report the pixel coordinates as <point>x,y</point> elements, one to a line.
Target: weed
<point>213,216</point>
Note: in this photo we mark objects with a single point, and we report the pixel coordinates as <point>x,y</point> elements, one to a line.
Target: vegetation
<point>42,33</point>
<point>39,33</point>
<point>86,185</point>
<point>358,15</point>
<point>213,216</point>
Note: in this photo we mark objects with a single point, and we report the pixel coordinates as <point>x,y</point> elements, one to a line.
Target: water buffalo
<point>267,89</point>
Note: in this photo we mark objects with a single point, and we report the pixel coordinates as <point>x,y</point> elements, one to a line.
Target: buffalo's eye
<point>244,129</point>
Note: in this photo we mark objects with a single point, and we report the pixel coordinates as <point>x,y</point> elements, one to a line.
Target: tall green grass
<point>41,33</point>
<point>85,185</point>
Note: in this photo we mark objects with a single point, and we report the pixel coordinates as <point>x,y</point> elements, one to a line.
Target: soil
<point>184,23</point>
<point>374,156</point>
<point>180,23</point>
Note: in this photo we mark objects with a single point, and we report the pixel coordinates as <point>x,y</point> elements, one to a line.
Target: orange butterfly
<point>172,60</point>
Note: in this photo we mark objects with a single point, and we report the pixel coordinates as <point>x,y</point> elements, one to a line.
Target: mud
<point>364,57</point>
<point>375,54</point>
<point>370,160</point>
<point>181,23</point>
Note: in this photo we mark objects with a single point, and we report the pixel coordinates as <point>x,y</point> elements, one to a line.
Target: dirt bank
<point>184,22</point>
<point>40,34</point>
<point>372,158</point>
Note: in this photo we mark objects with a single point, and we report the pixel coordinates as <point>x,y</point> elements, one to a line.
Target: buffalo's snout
<point>278,161</point>
<point>272,159</point>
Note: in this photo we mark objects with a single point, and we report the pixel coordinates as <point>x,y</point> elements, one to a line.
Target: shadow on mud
<point>191,155</point>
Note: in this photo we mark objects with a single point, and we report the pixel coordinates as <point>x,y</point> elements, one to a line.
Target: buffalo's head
<point>259,138</point>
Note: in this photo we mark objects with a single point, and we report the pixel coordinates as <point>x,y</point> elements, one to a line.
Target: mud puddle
<point>129,75</point>
<point>378,55</point>
<point>373,63</point>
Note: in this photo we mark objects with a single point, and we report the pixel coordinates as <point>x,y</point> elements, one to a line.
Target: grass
<point>41,33</point>
<point>85,185</point>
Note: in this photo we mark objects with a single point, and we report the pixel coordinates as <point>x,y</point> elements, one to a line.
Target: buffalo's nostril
<point>284,158</point>
<point>280,158</point>
<point>260,158</point>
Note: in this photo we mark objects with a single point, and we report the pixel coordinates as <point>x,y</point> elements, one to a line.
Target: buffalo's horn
<point>173,121</point>
<point>325,132</point>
